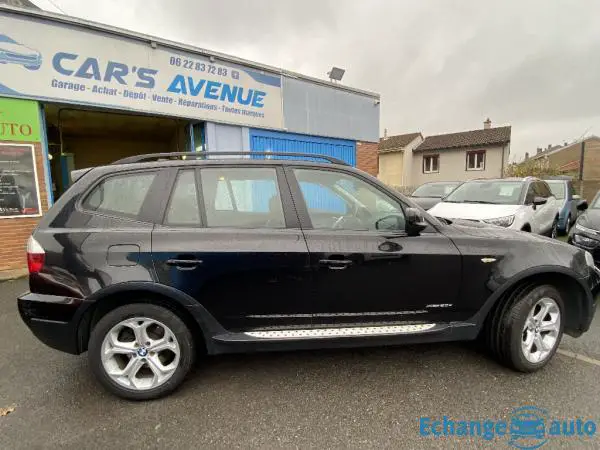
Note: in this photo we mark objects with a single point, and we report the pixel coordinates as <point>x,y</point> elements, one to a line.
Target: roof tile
<point>484,137</point>
<point>396,143</point>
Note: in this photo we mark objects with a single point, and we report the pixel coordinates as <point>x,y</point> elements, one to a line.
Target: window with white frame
<point>431,163</point>
<point>476,160</point>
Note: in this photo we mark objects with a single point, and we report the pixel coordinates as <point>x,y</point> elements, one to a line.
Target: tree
<point>538,168</point>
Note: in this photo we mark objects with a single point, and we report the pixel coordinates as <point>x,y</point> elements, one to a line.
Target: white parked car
<point>519,203</point>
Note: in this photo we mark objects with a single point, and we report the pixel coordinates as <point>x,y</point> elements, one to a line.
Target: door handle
<point>184,264</point>
<point>336,264</point>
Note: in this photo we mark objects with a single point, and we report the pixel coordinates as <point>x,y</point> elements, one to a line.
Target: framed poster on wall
<point>19,191</point>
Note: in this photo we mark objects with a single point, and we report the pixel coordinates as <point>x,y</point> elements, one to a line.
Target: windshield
<point>557,188</point>
<point>5,38</point>
<point>495,192</point>
<point>435,190</point>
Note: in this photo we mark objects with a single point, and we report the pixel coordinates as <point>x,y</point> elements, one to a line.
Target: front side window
<point>544,190</point>
<point>242,197</point>
<point>431,164</point>
<point>497,192</point>
<point>476,160</point>
<point>183,206</point>
<point>336,200</point>
<point>121,195</point>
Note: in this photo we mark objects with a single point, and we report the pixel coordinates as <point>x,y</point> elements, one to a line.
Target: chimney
<point>566,143</point>
<point>539,150</point>
<point>487,124</point>
<point>549,146</point>
<point>385,133</point>
<point>526,156</point>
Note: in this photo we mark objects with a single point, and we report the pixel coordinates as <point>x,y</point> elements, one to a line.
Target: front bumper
<point>53,319</point>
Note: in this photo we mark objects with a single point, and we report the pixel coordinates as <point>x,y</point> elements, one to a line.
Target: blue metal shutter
<point>317,198</point>
<point>263,141</point>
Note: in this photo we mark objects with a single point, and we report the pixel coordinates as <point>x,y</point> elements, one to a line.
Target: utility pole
<point>581,157</point>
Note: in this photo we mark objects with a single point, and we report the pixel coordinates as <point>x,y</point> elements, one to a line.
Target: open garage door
<point>81,138</point>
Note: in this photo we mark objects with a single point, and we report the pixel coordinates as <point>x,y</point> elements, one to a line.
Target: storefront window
<point>19,195</point>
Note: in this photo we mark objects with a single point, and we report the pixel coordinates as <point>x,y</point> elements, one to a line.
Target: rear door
<point>366,268</point>
<point>230,238</point>
<point>99,235</point>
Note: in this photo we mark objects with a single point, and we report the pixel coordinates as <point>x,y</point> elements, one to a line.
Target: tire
<point>509,330</point>
<point>554,229</point>
<point>567,226</point>
<point>136,369</point>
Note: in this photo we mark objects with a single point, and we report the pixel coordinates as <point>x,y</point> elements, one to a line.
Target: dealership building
<point>76,94</point>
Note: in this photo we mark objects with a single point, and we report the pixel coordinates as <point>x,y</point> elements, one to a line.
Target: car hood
<point>18,49</point>
<point>426,202</point>
<point>590,219</point>
<point>472,211</point>
<point>484,230</point>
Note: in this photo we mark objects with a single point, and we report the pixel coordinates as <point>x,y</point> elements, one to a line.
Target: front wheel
<point>525,332</point>
<point>141,351</point>
<point>554,229</point>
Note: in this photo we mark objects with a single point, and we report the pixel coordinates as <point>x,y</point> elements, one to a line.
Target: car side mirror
<point>537,201</point>
<point>582,205</point>
<point>414,222</point>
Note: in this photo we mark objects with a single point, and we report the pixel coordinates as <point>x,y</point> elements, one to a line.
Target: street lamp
<point>336,74</point>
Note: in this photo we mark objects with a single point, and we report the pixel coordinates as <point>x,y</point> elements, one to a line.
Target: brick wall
<point>14,232</point>
<point>367,157</point>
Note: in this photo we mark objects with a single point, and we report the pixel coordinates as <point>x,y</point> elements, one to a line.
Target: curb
<point>13,274</point>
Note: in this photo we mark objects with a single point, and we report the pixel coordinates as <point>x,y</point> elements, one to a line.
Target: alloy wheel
<point>541,330</point>
<point>140,353</point>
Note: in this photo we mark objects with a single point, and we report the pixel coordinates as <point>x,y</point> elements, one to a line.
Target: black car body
<point>288,273</point>
<point>430,194</point>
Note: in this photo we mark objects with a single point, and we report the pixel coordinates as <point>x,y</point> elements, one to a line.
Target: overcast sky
<point>440,66</point>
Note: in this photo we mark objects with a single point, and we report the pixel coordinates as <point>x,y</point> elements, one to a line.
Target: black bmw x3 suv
<point>152,260</point>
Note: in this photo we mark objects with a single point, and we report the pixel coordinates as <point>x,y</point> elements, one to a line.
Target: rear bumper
<point>53,320</point>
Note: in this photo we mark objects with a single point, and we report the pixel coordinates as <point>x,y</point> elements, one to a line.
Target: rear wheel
<point>141,351</point>
<point>525,331</point>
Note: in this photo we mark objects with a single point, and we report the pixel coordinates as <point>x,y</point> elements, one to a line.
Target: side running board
<point>330,333</point>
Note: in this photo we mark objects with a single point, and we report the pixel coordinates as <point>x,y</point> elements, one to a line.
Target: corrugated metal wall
<point>316,109</point>
<point>264,141</point>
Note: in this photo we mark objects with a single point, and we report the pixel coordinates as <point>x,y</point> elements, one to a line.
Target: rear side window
<point>242,197</point>
<point>183,207</point>
<point>121,195</point>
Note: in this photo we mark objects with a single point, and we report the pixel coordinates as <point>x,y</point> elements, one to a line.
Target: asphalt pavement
<point>367,398</point>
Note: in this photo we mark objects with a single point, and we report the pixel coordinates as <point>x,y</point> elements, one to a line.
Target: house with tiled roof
<point>395,158</point>
<point>461,156</point>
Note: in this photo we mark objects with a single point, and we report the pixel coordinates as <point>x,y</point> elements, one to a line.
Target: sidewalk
<point>12,274</point>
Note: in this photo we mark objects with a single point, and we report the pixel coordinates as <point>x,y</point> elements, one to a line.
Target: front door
<point>366,268</point>
<point>544,214</point>
<point>227,240</point>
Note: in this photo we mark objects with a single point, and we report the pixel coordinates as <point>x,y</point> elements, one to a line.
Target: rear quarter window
<point>120,195</point>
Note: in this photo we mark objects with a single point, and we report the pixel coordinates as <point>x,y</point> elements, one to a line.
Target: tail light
<point>35,256</point>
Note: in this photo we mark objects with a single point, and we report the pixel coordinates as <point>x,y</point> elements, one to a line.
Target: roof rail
<point>203,155</point>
